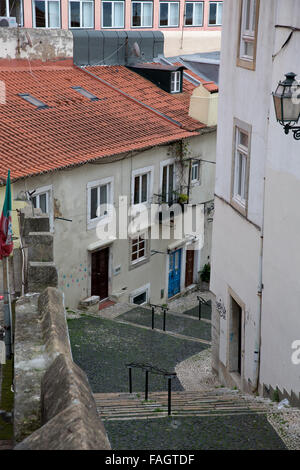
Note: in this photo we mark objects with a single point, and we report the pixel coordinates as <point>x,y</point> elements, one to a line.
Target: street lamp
<point>287,104</point>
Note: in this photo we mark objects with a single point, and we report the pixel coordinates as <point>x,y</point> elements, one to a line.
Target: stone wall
<point>54,404</point>
<point>35,44</point>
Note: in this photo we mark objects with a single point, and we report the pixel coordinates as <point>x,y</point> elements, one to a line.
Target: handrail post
<point>130,379</point>
<point>169,396</point>
<point>199,307</point>
<point>152,318</point>
<point>164,324</point>
<point>146,385</point>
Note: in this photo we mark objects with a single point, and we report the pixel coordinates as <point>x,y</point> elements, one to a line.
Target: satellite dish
<point>136,50</point>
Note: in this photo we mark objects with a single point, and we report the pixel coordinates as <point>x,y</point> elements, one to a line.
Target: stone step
<point>113,406</point>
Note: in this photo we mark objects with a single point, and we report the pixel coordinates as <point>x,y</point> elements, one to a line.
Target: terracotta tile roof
<point>174,105</point>
<point>75,130</point>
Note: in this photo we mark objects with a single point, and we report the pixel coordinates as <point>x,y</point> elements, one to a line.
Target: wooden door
<point>189,268</point>
<point>100,273</point>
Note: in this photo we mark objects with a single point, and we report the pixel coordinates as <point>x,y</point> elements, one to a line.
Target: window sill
<point>239,206</point>
<point>246,63</point>
<point>136,264</point>
<point>101,220</point>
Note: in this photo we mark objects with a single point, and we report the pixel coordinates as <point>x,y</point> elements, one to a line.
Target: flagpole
<point>9,302</point>
<point>7,322</point>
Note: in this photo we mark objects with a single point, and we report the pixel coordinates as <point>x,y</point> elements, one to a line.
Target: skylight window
<point>85,93</point>
<point>32,100</point>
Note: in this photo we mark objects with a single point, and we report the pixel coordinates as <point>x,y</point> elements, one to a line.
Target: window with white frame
<point>195,172</point>
<point>12,9</point>
<point>169,14</point>
<point>215,13</point>
<point>113,14</point>
<point>140,296</point>
<point>168,182</point>
<point>41,198</point>
<point>100,197</point>
<point>138,248</point>
<point>248,30</point>
<point>241,165</point>
<point>46,14</point>
<point>193,14</point>
<point>142,13</point>
<point>81,13</point>
<point>175,82</point>
<point>141,182</point>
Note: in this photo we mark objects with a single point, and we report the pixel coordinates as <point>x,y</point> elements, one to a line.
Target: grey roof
<point>205,64</point>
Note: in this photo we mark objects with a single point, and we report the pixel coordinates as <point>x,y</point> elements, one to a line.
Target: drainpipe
<point>257,340</point>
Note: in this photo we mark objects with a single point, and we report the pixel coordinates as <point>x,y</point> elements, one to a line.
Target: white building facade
<point>255,254</point>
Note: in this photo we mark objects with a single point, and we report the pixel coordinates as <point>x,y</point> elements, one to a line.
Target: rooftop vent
<point>32,100</point>
<point>85,93</point>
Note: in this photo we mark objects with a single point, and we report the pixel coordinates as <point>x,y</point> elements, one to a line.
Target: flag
<point>6,241</point>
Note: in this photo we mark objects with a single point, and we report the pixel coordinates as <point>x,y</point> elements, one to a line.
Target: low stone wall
<point>54,405</point>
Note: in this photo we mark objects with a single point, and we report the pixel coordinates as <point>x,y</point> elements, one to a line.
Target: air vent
<point>8,22</point>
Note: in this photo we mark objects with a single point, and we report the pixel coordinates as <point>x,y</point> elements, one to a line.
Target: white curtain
<point>174,10</point>
<point>219,13</point>
<point>87,14</point>
<point>147,14</point>
<point>198,14</point>
<point>119,14</point>
<point>53,14</point>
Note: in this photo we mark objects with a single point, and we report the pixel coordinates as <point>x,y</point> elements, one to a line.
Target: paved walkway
<point>102,344</point>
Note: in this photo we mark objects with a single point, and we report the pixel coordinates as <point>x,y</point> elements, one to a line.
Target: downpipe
<point>257,338</point>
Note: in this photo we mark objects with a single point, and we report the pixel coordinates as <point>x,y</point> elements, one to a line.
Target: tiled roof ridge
<point>150,108</point>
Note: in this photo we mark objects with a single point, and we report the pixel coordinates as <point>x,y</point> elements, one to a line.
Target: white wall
<point>246,95</point>
<point>73,238</point>
<point>281,266</point>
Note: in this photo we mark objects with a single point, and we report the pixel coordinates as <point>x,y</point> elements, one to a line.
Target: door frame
<point>235,374</point>
<point>109,280</point>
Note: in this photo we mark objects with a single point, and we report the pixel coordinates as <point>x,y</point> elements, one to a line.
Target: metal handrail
<point>201,301</point>
<point>164,309</point>
<point>154,370</point>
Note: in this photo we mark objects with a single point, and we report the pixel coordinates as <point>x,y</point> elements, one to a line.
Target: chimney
<point>204,104</point>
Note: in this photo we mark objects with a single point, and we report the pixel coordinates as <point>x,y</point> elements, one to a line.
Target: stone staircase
<point>125,406</point>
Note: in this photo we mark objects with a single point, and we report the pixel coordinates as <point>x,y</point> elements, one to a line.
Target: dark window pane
<point>189,14</point>
<point>163,14</point>
<point>213,13</point>
<point>136,190</point>
<point>171,174</point>
<point>164,184</point>
<point>15,10</point>
<point>40,16</point>
<point>75,14</point>
<point>140,299</point>
<point>107,15</point>
<point>144,188</point>
<point>3,8</point>
<point>136,14</point>
<point>34,202</point>
<point>94,202</point>
<point>43,203</point>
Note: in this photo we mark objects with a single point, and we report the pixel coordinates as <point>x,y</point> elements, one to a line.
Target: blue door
<point>174,273</point>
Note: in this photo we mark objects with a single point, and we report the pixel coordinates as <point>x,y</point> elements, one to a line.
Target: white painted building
<point>107,136</point>
<point>255,254</point>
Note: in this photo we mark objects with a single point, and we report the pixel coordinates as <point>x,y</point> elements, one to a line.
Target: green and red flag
<point>6,241</point>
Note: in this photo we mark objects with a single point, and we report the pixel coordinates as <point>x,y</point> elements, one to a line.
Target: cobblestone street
<point>103,343</point>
